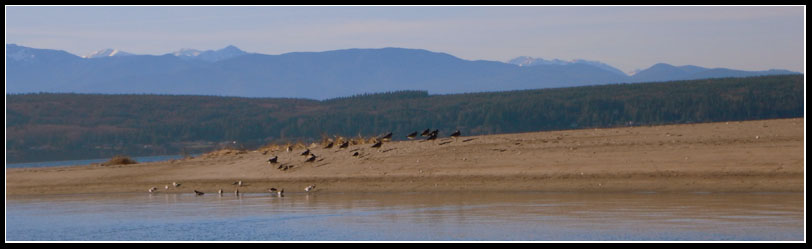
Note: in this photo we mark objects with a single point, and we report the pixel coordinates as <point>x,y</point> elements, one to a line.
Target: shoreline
<point>746,156</point>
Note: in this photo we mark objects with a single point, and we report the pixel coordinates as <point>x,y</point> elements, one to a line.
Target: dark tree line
<point>48,126</point>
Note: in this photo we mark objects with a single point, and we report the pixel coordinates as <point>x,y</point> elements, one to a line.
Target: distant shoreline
<point>748,156</point>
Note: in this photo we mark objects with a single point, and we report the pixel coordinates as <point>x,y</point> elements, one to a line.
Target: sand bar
<point>749,156</point>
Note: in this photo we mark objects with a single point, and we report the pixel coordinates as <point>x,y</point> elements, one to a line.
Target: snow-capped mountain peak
<point>209,55</point>
<point>187,52</point>
<point>107,52</point>
<point>526,61</point>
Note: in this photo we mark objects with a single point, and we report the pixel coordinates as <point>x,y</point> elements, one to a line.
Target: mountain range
<point>315,75</point>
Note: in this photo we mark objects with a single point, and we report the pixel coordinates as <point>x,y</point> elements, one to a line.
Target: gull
<point>311,187</point>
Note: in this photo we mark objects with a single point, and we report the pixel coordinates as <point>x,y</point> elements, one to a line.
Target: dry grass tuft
<point>223,152</point>
<point>119,160</point>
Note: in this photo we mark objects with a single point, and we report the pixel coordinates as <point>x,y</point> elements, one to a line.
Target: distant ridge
<point>316,75</point>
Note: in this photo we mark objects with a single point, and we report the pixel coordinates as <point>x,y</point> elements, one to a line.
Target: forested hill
<point>48,126</point>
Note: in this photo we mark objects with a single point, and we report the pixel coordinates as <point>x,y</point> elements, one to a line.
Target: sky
<point>627,37</point>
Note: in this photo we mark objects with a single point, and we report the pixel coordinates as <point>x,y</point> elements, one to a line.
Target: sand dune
<point>750,156</point>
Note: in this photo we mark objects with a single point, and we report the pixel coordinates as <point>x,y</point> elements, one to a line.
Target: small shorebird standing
<point>387,137</point>
<point>412,135</point>
<point>305,153</point>
<point>345,144</point>
<point>330,145</point>
<point>273,160</point>
<point>153,189</point>
<point>432,137</point>
<point>378,144</point>
<point>311,187</point>
<point>238,183</point>
<point>220,192</point>
<point>175,184</point>
<point>237,192</point>
<point>281,193</point>
<point>425,133</point>
<point>272,190</point>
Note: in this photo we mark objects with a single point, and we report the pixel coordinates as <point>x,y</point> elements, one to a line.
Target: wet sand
<point>749,156</point>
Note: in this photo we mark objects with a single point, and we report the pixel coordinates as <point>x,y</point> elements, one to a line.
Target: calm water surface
<point>408,217</point>
<point>141,159</point>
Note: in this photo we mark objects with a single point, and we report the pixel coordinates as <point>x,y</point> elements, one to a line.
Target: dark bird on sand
<point>330,145</point>
<point>377,144</point>
<point>345,144</point>
<point>312,158</point>
<point>432,137</point>
<point>412,135</point>
<point>272,190</point>
<point>455,134</point>
<point>425,133</point>
<point>355,154</point>
<point>273,159</point>
<point>305,153</point>
<point>198,192</point>
<point>388,136</point>
<point>434,133</point>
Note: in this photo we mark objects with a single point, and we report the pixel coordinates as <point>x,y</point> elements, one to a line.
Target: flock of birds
<point>279,192</point>
<point>428,133</point>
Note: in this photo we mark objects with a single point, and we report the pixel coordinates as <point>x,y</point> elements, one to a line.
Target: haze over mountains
<point>315,75</point>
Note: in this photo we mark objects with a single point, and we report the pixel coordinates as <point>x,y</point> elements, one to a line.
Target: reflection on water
<point>408,216</point>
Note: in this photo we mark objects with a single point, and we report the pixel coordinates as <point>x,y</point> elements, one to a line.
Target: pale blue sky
<point>627,37</point>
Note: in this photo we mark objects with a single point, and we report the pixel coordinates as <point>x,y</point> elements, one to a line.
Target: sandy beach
<point>749,156</point>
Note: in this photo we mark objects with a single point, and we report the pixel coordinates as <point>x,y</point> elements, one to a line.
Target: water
<point>408,217</point>
<point>143,159</point>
